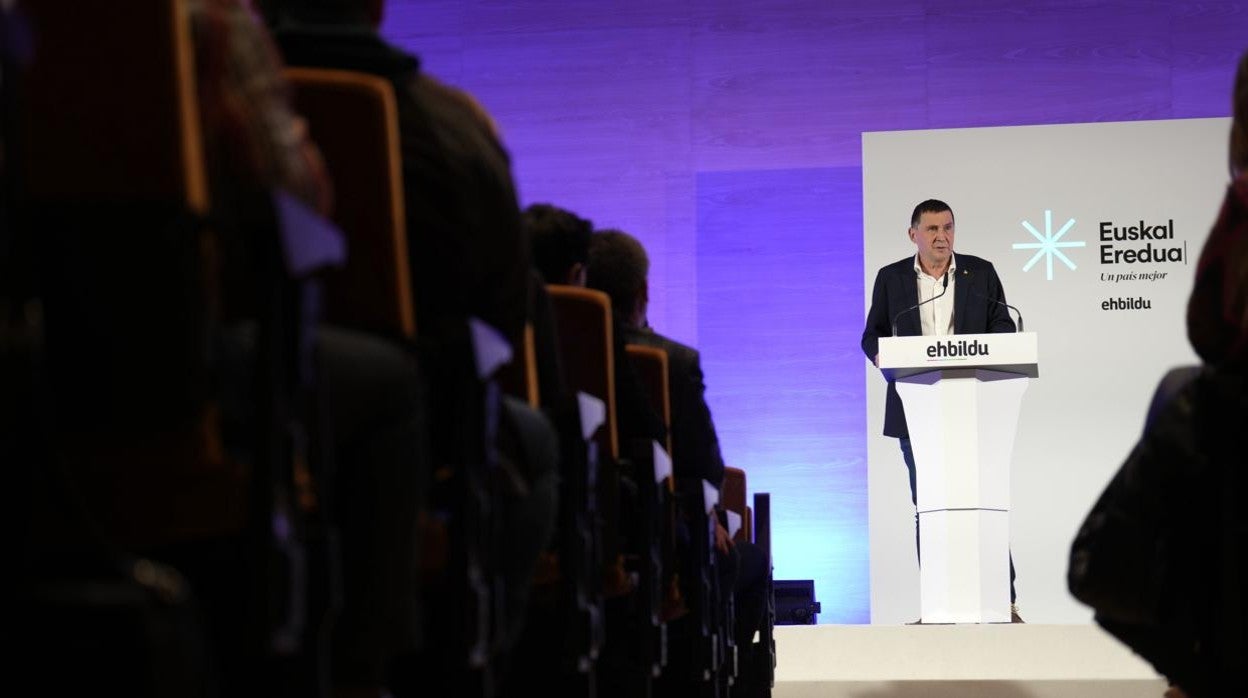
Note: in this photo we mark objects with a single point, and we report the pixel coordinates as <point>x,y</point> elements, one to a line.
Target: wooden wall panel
<point>1047,62</point>
<point>795,86</point>
<point>527,16</point>
<point>597,120</point>
<point>779,323</point>
<point>1207,39</point>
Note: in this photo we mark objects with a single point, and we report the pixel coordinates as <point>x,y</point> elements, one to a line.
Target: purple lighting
<point>779,324</point>
<point>726,135</point>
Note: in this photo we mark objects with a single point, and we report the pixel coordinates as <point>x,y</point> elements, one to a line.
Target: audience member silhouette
<point>1163,556</point>
<point>468,254</point>
<point>560,242</point>
<point>469,259</point>
<point>619,267</point>
<point>376,397</point>
<point>256,146</point>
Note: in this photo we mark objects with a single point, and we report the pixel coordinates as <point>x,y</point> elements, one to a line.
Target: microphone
<point>944,287</point>
<point>967,273</point>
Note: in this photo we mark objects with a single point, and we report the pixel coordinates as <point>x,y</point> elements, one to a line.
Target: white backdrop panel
<point>1098,363</point>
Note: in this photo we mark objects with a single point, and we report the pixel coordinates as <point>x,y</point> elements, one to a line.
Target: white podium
<point>962,395</point>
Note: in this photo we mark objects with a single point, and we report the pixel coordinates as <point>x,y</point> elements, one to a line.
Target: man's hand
<point>876,360</point>
<point>722,540</point>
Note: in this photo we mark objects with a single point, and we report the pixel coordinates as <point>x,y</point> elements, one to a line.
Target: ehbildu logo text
<point>1137,303</point>
<point>955,348</point>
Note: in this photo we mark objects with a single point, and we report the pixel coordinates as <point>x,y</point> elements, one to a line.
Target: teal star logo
<point>1048,245</point>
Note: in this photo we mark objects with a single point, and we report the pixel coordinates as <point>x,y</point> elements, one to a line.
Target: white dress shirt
<point>937,316</point>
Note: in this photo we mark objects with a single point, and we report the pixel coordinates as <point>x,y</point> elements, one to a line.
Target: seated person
<point>376,399</point>
<point>560,242</point>
<point>1161,557</point>
<point>618,266</point>
<point>469,258</point>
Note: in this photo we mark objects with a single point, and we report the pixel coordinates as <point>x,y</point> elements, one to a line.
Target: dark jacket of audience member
<point>618,266</point>
<point>1163,555</point>
<point>469,258</point>
<point>561,241</point>
<point>695,445</point>
<point>468,255</point>
<point>254,140</point>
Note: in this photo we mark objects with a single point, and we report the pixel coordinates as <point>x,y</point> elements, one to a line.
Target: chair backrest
<point>111,176</point>
<point>519,377</point>
<point>133,133</point>
<point>528,360</point>
<point>586,346</point>
<point>651,365</point>
<point>114,188</point>
<point>353,119</point>
<point>733,497</point>
<point>766,633</point>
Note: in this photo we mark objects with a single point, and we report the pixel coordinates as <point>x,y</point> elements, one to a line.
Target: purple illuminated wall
<point>726,135</point>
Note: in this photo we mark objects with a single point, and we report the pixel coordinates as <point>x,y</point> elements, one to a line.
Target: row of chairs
<point>617,573</point>
<point>341,104</point>
<point>353,119</point>
<point>704,648</point>
<point>109,286</point>
<point>112,293</point>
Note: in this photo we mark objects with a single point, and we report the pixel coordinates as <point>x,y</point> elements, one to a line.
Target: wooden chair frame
<point>354,120</point>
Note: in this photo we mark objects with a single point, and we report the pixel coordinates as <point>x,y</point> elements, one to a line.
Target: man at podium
<point>935,292</point>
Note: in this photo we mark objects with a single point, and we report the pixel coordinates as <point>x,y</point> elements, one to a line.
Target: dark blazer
<point>635,415</point>
<point>896,289</point>
<point>695,445</point>
<point>1160,557</point>
<point>469,256</point>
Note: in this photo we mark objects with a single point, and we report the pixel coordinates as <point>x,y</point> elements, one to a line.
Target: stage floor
<point>967,661</point>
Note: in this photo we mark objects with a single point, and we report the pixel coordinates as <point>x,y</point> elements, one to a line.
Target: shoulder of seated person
<point>684,352</point>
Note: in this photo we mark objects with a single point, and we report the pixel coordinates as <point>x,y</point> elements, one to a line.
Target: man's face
<point>934,238</point>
